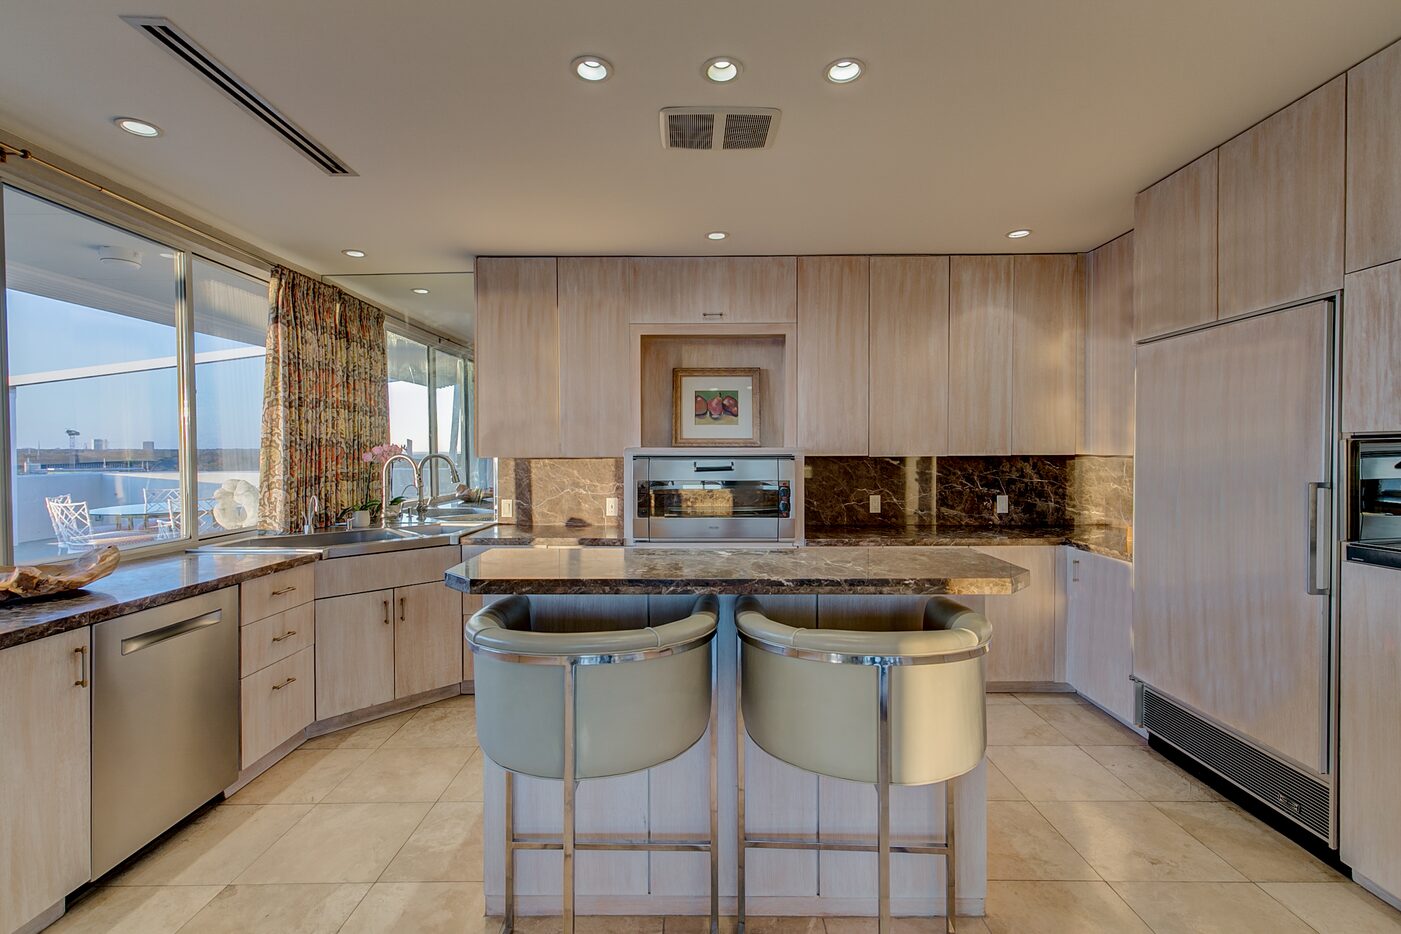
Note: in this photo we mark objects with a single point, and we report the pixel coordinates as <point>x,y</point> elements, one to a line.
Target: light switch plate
<point>508,509</point>
<point>1002,505</point>
<point>610,506</point>
<point>875,503</point>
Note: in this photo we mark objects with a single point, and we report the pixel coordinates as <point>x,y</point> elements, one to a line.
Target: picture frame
<point>730,397</point>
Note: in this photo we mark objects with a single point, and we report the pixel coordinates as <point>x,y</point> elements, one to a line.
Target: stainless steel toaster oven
<point>704,498</point>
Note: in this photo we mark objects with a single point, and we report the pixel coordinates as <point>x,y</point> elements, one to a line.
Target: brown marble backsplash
<point>962,491</point>
<point>560,491</point>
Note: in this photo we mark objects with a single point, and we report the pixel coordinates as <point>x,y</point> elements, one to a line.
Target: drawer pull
<point>278,687</point>
<point>82,653</point>
<point>401,609</point>
<point>286,635</point>
<point>712,314</point>
<point>282,591</point>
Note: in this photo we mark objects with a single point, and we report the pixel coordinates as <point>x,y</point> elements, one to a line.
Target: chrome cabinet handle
<point>1311,585</point>
<point>283,590</point>
<point>278,687</point>
<point>82,653</point>
<point>401,609</point>
<point>286,635</point>
<point>386,612</point>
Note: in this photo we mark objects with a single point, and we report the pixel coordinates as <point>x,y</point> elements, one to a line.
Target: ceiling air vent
<point>710,128</point>
<point>169,36</point>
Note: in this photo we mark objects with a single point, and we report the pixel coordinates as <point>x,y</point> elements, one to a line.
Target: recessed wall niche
<point>662,353</point>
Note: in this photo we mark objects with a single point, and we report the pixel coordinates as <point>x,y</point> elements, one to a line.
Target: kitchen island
<point>813,587</point>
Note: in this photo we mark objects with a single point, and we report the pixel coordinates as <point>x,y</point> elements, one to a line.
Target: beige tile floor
<point>378,828</point>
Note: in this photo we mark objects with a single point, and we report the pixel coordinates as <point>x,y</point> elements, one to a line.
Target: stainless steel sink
<point>342,543</point>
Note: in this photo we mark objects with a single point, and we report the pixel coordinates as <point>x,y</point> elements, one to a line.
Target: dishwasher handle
<point>165,633</point>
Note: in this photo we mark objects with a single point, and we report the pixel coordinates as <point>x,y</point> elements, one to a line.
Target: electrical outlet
<point>807,471</point>
<point>875,503</point>
<point>508,509</point>
<point>610,506</point>
<point>1003,507</point>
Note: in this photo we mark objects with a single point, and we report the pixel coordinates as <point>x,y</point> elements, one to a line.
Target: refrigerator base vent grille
<point>1296,795</point>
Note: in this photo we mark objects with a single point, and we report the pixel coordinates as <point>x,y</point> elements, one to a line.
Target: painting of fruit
<point>724,406</point>
<point>717,407</point>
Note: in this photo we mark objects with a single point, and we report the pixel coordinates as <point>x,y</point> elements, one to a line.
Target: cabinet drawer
<point>384,570</point>
<point>264,596</point>
<point>273,639</point>
<point>278,702</point>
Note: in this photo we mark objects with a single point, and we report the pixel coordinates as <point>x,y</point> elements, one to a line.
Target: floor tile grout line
<point>1302,919</point>
<point>1222,856</point>
<point>1134,911</point>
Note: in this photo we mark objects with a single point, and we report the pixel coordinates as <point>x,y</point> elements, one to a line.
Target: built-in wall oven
<point>709,498</point>
<point>1374,521</point>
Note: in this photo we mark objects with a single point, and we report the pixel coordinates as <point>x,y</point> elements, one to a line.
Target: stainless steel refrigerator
<point>1234,553</point>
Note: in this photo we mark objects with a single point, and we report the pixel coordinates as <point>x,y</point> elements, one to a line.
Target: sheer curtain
<point>325,400</point>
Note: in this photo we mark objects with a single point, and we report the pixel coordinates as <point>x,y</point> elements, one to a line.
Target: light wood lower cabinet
<point>1099,630</point>
<point>1027,625</point>
<point>275,638</point>
<point>354,652</point>
<point>278,702</point>
<point>45,769</point>
<point>427,638</point>
<point>1369,727</point>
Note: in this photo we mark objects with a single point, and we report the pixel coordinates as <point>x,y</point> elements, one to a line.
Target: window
<point>94,320</point>
<point>428,406</point>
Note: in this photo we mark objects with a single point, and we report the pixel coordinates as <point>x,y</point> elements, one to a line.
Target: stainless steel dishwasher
<point>165,715</point>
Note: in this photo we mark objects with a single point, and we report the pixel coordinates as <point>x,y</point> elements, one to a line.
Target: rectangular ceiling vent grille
<point>167,35</point>
<point>718,128</point>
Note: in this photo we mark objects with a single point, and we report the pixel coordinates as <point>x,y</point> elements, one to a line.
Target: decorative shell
<point>41,580</point>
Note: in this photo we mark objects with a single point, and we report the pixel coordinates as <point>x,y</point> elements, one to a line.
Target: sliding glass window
<point>428,412</point>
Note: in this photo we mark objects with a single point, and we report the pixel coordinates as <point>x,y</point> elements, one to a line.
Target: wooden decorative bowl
<point>41,580</point>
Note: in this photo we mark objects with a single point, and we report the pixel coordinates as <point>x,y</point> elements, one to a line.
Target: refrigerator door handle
<point>1311,579</point>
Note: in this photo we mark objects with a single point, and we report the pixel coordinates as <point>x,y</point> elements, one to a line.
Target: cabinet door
<point>980,355</point>
<point>595,384</point>
<point>833,354</point>
<point>1368,732</point>
<point>1025,624</point>
<point>1109,349</point>
<point>1374,160</point>
<point>1371,349</point>
<point>1174,227</point>
<point>45,768</point>
<point>517,358</point>
<point>354,652</point>
<point>427,638</point>
<point>714,289</point>
<point>1048,305</point>
<point>277,702</point>
<point>1281,205</point>
<point>909,362</point>
<point>1099,630</point>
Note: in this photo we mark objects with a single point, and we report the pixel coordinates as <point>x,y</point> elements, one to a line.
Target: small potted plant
<point>363,515</point>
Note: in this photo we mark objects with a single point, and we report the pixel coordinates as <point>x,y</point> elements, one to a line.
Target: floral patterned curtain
<point>325,399</point>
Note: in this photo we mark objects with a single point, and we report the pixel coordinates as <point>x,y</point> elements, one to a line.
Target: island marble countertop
<point>828,570</point>
<point>136,585</point>
<point>587,535</point>
<point>1110,541</point>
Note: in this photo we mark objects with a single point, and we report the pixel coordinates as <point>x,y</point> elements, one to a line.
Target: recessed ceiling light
<point>1018,233</point>
<point>722,69</point>
<point>420,291</point>
<point>716,235</point>
<point>356,254</point>
<point>136,127</point>
<point>845,70</point>
<point>592,68</point>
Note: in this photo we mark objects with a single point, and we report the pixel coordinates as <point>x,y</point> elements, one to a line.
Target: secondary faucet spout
<point>423,498</point>
<point>384,485</point>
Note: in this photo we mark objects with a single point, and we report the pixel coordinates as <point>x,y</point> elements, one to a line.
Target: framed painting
<point>715,406</point>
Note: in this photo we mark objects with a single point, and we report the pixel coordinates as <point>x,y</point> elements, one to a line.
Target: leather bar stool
<point>590,704</point>
<point>880,707</point>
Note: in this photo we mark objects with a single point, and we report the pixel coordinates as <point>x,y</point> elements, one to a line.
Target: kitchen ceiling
<point>470,134</point>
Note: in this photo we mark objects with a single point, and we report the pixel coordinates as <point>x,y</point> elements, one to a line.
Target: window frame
<point>186,249</point>
<point>434,342</point>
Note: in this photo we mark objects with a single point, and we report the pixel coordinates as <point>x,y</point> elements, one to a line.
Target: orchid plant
<point>378,454</point>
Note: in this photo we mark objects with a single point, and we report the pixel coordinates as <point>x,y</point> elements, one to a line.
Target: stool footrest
<point>653,846</point>
<point>933,848</point>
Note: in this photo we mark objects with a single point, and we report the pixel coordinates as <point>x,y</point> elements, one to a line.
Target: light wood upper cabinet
<point>45,769</point>
<point>354,652</point>
<point>518,360</point>
<point>1371,349</point>
<point>428,638</point>
<point>909,355</point>
<point>1281,205</point>
<point>980,355</point>
<point>1175,250</point>
<point>595,384</point>
<point>1048,307</point>
<point>1109,349</point>
<point>1374,160</point>
<point>714,289</point>
<point>1370,812</point>
<point>833,354</point>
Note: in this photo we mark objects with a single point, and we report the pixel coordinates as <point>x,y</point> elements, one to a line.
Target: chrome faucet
<point>313,506</point>
<point>423,498</point>
<point>384,485</point>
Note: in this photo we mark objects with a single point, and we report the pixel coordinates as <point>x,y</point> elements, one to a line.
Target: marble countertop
<point>827,570</point>
<point>590,535</point>
<point>135,585</point>
<point>1111,541</point>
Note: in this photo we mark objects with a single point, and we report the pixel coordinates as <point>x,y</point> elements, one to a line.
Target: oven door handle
<point>713,468</point>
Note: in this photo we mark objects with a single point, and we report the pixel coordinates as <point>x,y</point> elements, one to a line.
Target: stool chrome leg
<point>883,764</point>
<point>567,924</point>
<point>714,793</point>
<point>739,791</point>
<point>508,920</point>
<point>950,867</point>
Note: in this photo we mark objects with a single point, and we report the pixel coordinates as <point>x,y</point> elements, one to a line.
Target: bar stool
<point>590,704</point>
<point>879,707</point>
